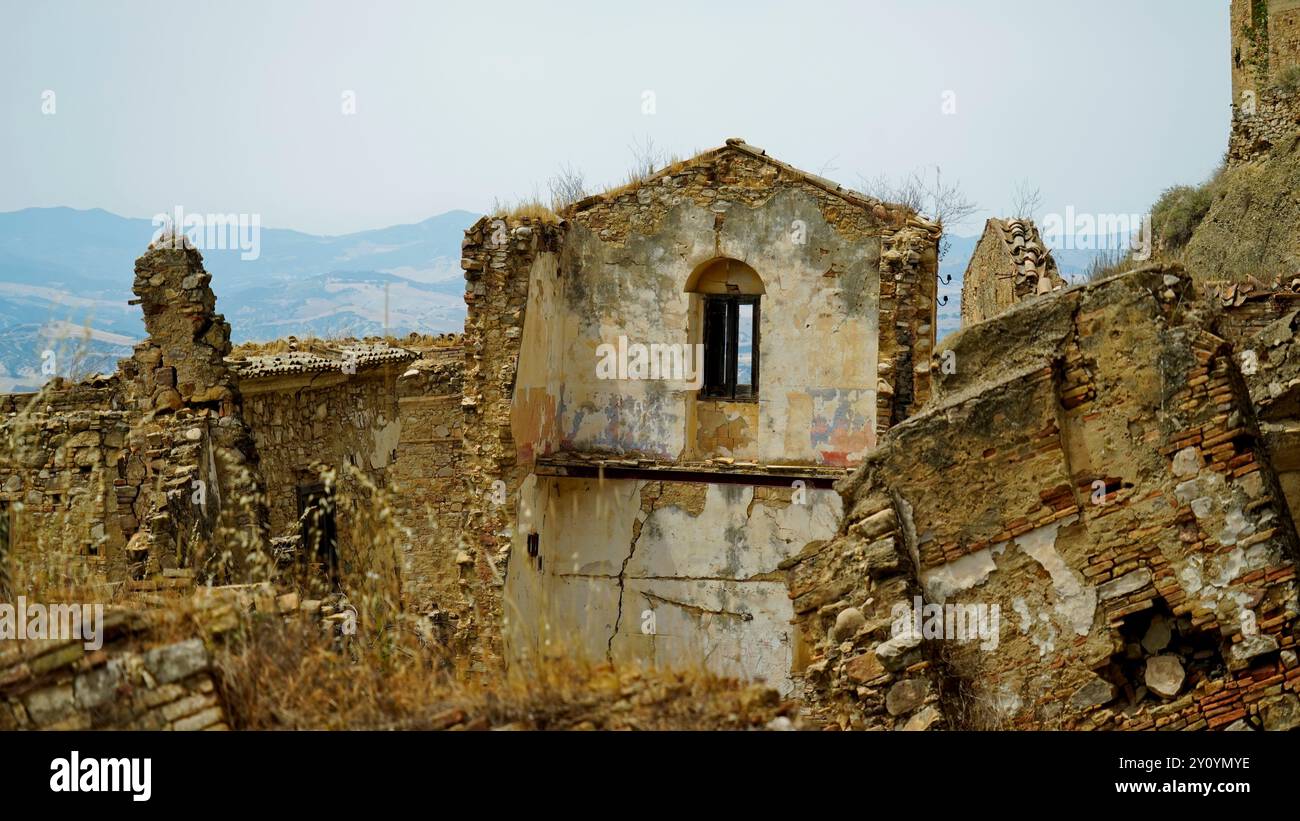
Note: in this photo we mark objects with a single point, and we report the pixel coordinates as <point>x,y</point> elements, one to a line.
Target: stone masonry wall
<point>303,425</point>
<point>131,683</point>
<point>65,490</point>
<point>497,257</point>
<point>1265,48</point>
<point>1262,324</point>
<point>431,487</point>
<point>1011,263</point>
<point>202,500</point>
<point>1267,121</point>
<point>1095,470</point>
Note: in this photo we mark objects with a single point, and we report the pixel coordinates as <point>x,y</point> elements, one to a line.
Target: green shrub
<point>1179,211</point>
<point>1288,80</point>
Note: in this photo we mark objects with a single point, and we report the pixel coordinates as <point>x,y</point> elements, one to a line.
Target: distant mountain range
<point>65,280</point>
<point>66,275</point>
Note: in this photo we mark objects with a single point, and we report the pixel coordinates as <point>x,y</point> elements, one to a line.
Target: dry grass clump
<point>291,675</point>
<point>1109,263</point>
<point>529,209</point>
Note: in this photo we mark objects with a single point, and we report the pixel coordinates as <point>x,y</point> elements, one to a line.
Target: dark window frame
<point>722,347</point>
<point>318,528</point>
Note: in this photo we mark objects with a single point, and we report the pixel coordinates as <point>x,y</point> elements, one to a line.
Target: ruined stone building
<point>1091,524</point>
<point>193,463</point>
<point>152,466</point>
<point>1094,468</point>
<point>1010,263</point>
<point>701,420</point>
<point>669,379</point>
<point>1265,76</point>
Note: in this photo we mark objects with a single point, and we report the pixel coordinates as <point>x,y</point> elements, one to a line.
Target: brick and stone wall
<point>1262,324</point>
<point>498,257</point>
<point>1095,470</point>
<point>1011,263</point>
<point>134,682</point>
<point>147,469</point>
<point>67,488</point>
<point>1257,128</point>
<point>304,425</point>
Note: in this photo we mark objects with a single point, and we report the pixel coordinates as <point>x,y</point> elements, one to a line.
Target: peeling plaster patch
<point>1189,575</point>
<point>1006,701</point>
<point>726,539</point>
<point>1128,583</point>
<point>839,432</point>
<point>1226,567</point>
<point>1045,639</point>
<point>1262,555</point>
<point>1235,525</point>
<point>1189,490</point>
<point>1077,602</point>
<point>386,439</point>
<point>1022,610</point>
<point>1211,576</point>
<point>533,422</point>
<point>958,575</point>
<point>1187,462</point>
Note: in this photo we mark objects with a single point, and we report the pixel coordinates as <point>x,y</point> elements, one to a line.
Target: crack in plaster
<point>618,617</point>
<point>695,608</point>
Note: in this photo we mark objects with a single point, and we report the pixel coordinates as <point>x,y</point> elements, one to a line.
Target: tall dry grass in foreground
<point>401,670</point>
<point>290,675</point>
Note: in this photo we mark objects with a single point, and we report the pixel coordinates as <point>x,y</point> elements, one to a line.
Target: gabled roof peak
<point>738,145</point>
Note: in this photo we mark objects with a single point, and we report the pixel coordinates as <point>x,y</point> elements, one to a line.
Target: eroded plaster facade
<point>647,523</point>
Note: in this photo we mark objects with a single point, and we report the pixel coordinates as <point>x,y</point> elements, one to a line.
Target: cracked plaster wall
<point>702,559</point>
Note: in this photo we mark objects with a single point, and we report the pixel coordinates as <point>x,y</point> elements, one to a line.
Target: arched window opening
<point>730,292</point>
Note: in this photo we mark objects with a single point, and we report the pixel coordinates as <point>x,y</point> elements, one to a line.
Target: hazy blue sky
<point>236,107</point>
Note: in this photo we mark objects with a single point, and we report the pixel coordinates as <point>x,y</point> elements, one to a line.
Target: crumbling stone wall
<point>149,468</point>
<point>66,473</point>
<point>431,486</point>
<point>305,425</point>
<point>1265,48</point>
<point>1261,322</point>
<point>500,258</point>
<point>1011,263</point>
<point>202,499</point>
<point>1093,468</point>
<point>1263,124</point>
<point>131,683</point>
